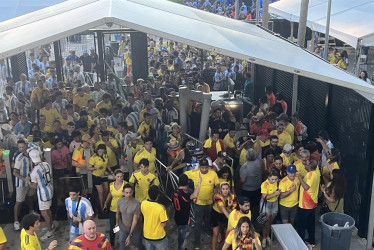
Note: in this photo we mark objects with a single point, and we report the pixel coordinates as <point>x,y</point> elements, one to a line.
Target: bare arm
<point>164,224</point>
<point>226,246</point>
<point>108,198</point>
<point>16,173</point>
<point>197,189</point>
<point>302,182</point>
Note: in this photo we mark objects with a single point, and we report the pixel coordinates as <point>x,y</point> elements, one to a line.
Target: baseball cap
<point>198,151</point>
<point>242,200</point>
<point>35,156</point>
<point>291,169</point>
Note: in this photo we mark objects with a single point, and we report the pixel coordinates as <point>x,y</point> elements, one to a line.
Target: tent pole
<point>302,23</point>
<point>236,9</point>
<point>295,90</point>
<point>265,14</point>
<point>257,12</point>
<point>327,33</point>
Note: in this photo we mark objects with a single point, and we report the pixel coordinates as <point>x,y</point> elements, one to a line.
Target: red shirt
<point>212,151</point>
<point>100,242</point>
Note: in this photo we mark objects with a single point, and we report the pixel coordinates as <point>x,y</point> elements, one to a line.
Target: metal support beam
<point>58,59</point>
<point>327,33</point>
<point>48,156</point>
<point>295,97</point>
<point>257,12</point>
<point>100,52</point>
<point>302,23</point>
<point>265,14</point>
<point>236,9</point>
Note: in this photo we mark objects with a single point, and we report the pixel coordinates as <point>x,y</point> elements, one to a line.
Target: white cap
<point>35,156</point>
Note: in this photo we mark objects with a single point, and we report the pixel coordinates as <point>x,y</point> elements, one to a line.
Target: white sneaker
<point>45,229</point>
<point>48,235</point>
<point>16,226</point>
<point>268,240</point>
<point>263,245</point>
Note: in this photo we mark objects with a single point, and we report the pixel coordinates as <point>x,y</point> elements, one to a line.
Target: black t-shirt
<point>182,207</point>
<point>278,150</point>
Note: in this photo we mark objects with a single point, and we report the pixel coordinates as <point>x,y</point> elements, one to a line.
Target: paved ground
<point>62,236</point>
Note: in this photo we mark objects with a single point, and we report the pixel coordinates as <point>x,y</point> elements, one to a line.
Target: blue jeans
<point>183,232</point>
<point>156,244</point>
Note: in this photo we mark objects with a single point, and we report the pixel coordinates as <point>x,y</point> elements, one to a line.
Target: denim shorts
<point>270,207</point>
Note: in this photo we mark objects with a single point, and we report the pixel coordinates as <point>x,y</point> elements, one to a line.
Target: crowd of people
<point>131,126</point>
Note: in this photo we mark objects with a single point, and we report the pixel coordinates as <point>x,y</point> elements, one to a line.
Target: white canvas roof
<point>350,19</point>
<point>176,22</point>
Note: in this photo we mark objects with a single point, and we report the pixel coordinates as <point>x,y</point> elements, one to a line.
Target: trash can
<point>336,237</point>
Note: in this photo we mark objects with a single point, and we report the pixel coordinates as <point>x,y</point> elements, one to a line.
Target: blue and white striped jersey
<point>85,210</point>
<point>24,165</point>
<point>42,175</point>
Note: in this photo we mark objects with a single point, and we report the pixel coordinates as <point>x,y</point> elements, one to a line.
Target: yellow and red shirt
<point>308,199</point>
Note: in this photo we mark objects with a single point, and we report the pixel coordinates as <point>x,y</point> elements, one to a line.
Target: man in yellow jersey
<point>204,201</point>
<point>51,114</point>
<point>242,209</point>
<point>288,126</point>
<point>301,165</point>
<point>283,136</point>
<point>29,239</point>
<point>79,160</point>
<point>148,152</point>
<point>142,180</point>
<point>289,197</point>
<point>155,221</point>
<point>308,201</point>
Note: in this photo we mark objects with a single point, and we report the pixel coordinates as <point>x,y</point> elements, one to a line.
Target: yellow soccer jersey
<point>142,184</point>
<point>29,242</point>
<point>285,186</point>
<point>208,183</point>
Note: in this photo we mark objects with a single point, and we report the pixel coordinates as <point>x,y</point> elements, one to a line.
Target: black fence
<point>346,116</point>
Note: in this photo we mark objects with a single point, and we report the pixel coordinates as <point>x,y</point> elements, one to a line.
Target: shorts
<point>270,207</point>
<point>96,180</point>
<point>216,218</point>
<point>287,213</point>
<point>22,192</point>
<point>44,205</point>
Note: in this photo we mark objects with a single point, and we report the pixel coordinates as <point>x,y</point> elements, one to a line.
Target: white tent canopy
<point>176,22</point>
<point>350,21</point>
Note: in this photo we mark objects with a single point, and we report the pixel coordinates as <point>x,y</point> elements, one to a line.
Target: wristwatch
<point>131,235</point>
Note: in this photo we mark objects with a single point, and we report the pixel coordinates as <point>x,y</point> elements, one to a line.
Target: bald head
<point>89,228</point>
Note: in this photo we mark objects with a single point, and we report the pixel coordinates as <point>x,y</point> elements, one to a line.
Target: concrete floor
<point>62,236</point>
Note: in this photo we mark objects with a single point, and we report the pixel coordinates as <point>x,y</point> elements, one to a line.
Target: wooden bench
<point>287,237</point>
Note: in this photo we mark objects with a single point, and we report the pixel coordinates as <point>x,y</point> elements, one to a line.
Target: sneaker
<point>16,226</point>
<point>196,247</point>
<point>48,235</point>
<point>268,240</point>
<point>263,243</point>
<point>45,229</point>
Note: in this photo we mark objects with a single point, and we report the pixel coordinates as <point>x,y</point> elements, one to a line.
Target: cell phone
<point>116,229</point>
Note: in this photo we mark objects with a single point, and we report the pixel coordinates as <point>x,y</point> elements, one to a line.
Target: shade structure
<point>350,21</point>
<point>176,22</point>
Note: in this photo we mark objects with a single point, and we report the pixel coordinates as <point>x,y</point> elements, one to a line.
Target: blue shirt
<point>247,88</point>
<point>22,129</point>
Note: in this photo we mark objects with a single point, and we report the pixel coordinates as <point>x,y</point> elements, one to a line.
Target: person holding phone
<point>270,193</point>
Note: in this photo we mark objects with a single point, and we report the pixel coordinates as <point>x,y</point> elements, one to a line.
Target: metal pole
<point>265,14</point>
<point>295,90</point>
<point>327,33</point>
<point>369,241</point>
<point>257,12</point>
<point>236,9</point>
<point>302,23</point>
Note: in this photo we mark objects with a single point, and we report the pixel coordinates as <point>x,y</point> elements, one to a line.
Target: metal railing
<point>170,178</point>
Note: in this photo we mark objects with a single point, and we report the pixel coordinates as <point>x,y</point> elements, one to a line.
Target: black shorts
<point>216,218</point>
<point>96,180</point>
<point>58,173</point>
